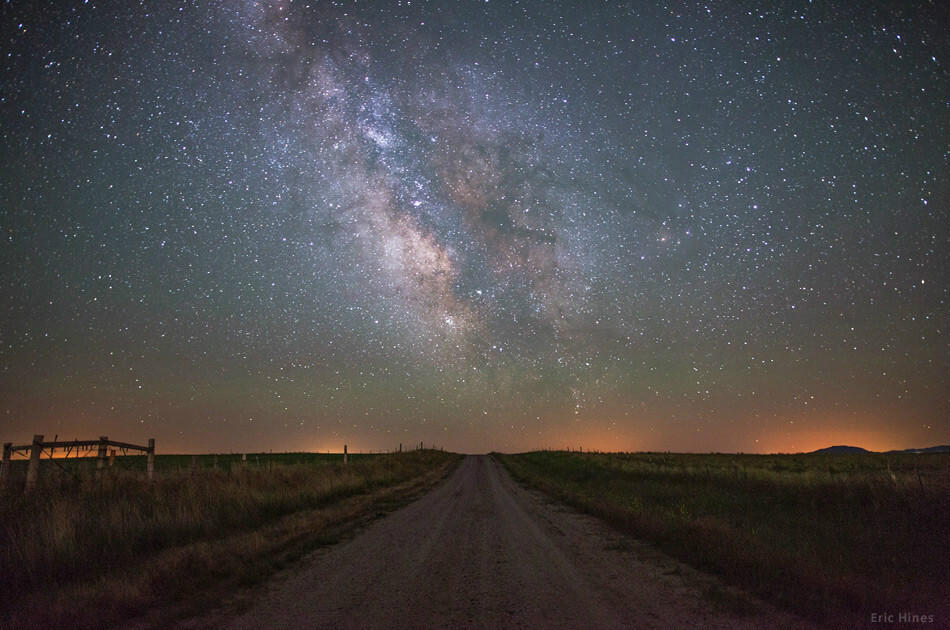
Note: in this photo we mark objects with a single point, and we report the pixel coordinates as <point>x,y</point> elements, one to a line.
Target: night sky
<point>484,225</point>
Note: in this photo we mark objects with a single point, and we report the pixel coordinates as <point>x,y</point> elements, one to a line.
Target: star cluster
<point>488,225</point>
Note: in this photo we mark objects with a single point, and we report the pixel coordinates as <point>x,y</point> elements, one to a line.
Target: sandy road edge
<point>722,596</point>
<point>288,542</point>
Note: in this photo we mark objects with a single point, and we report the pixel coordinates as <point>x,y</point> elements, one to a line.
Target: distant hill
<point>943,448</point>
<point>842,449</point>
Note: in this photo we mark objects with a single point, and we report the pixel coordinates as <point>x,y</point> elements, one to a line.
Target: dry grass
<point>832,537</point>
<point>92,553</point>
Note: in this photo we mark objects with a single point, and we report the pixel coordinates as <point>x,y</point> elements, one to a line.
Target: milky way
<point>484,225</point>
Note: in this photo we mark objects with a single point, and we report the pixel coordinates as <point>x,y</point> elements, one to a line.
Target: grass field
<point>832,537</point>
<point>120,545</point>
<point>64,470</point>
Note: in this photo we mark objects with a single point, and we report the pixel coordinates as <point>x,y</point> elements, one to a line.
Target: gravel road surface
<point>481,552</point>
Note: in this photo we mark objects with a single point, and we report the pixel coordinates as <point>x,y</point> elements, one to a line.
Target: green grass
<point>166,539</point>
<point>832,537</point>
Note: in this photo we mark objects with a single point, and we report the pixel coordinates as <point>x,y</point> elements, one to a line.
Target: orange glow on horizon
<point>802,436</point>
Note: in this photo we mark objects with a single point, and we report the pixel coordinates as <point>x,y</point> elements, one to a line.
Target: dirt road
<point>481,552</point>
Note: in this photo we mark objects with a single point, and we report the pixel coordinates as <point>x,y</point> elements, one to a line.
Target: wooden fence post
<point>344,453</point>
<point>33,471</point>
<point>400,447</point>
<point>5,466</point>
<point>194,466</point>
<point>101,460</point>
<point>150,466</point>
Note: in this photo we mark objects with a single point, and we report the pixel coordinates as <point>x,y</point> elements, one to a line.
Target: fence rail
<point>36,450</point>
<point>38,446</point>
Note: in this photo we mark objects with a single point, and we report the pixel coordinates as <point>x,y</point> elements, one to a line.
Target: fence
<point>38,446</point>
<point>10,469</point>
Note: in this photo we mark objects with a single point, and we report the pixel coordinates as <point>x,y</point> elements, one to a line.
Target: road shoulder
<point>295,541</point>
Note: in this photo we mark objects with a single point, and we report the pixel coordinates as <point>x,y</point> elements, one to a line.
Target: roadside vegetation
<point>88,551</point>
<point>832,537</point>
